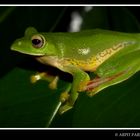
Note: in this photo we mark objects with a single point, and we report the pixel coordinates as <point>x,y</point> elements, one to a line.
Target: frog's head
<point>34,43</point>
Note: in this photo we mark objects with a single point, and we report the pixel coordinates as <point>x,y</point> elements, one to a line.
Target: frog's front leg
<point>45,76</point>
<point>80,80</point>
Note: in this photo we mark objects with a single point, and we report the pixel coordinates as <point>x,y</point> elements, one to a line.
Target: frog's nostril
<point>19,43</point>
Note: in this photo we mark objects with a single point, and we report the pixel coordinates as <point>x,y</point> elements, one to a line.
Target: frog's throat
<point>49,60</point>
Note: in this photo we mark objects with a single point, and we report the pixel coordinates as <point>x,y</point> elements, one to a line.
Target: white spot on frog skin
<point>61,49</point>
<point>84,51</point>
<point>37,77</point>
<point>19,43</point>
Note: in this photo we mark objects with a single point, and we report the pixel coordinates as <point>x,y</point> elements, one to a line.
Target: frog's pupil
<point>36,41</point>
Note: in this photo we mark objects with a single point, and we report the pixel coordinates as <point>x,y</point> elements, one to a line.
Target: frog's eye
<point>38,41</point>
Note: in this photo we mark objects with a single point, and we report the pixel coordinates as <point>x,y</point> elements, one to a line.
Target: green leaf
<point>23,104</point>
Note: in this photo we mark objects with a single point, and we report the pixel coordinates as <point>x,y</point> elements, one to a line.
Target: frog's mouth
<point>21,47</point>
<point>26,52</point>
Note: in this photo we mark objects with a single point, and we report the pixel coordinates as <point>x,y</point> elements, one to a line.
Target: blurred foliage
<point>23,104</point>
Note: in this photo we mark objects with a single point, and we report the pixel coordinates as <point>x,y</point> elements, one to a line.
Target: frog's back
<point>92,41</point>
<point>89,48</point>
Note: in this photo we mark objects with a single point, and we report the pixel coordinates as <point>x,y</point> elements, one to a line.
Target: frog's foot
<point>70,101</point>
<point>37,77</point>
<point>67,99</point>
<point>45,76</point>
<point>93,92</point>
<point>64,97</point>
<point>65,108</point>
<point>53,83</point>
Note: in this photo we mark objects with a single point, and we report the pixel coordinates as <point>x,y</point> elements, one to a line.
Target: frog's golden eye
<point>38,41</point>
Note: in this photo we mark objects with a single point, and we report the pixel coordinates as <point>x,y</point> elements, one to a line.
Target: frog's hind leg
<point>98,84</point>
<point>115,70</point>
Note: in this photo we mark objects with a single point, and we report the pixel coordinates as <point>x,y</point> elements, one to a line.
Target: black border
<point>70,2</point>
<point>69,133</point>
